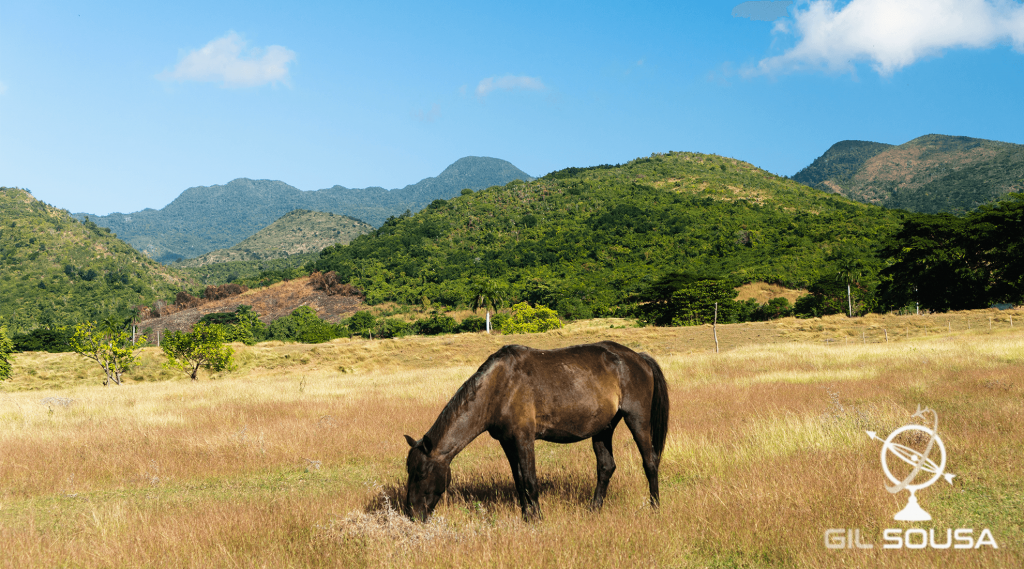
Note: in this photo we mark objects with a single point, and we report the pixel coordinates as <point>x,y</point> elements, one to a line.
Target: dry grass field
<point>296,459</point>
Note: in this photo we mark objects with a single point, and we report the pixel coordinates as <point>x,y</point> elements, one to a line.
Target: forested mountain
<point>585,240</point>
<point>298,231</point>
<point>930,174</point>
<point>56,270</point>
<point>203,219</point>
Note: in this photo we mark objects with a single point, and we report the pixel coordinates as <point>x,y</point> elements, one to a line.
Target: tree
<point>687,299</point>
<point>848,271</point>
<point>202,347</point>
<point>108,346</point>
<point>528,320</point>
<point>488,295</point>
<point>362,322</point>
<point>6,347</point>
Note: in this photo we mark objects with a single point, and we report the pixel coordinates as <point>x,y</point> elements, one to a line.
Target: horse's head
<point>428,478</point>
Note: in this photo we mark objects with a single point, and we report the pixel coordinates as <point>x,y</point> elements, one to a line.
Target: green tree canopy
<point>110,347</point>
<point>203,347</point>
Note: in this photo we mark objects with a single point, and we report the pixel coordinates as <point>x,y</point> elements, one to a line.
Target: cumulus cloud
<point>228,61</point>
<point>892,34</point>
<point>507,83</point>
<point>763,11</point>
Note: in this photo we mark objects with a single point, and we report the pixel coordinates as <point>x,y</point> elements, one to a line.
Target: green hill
<point>930,174</point>
<point>298,231</point>
<point>586,239</point>
<point>204,219</point>
<point>57,270</point>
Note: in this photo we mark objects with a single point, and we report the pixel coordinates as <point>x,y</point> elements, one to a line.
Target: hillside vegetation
<point>298,231</point>
<point>59,271</point>
<point>585,240</point>
<point>204,219</point>
<point>930,174</point>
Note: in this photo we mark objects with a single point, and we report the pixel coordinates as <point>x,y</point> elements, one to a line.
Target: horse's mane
<point>466,393</point>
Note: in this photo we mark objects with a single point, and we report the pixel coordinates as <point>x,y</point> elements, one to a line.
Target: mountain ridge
<point>185,228</point>
<point>933,173</point>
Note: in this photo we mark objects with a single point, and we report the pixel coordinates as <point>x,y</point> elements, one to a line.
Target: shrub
<point>473,323</point>
<point>773,309</point>
<point>6,347</point>
<point>573,309</point>
<point>436,323</point>
<point>392,328</point>
<point>303,325</point>
<point>41,340</point>
<point>361,323</point>
<point>528,320</point>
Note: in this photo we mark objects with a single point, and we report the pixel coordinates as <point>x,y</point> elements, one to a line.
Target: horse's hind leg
<point>605,464</point>
<point>641,429</point>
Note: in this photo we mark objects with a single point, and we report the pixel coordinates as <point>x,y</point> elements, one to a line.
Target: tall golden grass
<point>296,459</point>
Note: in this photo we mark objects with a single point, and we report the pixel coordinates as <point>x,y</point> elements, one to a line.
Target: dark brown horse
<point>520,394</point>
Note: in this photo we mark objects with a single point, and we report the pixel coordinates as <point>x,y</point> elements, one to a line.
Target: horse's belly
<point>557,436</point>
<point>569,423</point>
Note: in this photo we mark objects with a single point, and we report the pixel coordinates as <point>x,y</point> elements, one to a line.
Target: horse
<point>566,395</point>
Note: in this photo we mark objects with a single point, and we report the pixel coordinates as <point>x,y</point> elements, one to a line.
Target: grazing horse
<point>520,394</point>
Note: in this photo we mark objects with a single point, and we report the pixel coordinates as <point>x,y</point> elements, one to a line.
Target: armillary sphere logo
<point>914,445</point>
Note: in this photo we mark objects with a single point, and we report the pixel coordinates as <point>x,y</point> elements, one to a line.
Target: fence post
<point>886,335</point>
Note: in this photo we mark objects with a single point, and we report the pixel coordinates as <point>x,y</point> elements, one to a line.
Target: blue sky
<point>108,106</point>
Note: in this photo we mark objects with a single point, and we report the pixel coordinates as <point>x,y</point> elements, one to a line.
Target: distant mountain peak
<point>931,173</point>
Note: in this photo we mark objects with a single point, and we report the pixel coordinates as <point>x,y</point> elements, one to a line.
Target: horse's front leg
<point>520,452</point>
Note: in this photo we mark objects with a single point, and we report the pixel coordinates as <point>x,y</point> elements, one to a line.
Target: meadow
<point>296,458</point>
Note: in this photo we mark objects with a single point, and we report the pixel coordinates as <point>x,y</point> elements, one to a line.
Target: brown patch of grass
<point>763,292</point>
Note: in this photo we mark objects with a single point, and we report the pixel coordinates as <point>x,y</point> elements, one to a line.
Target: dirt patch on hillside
<point>270,303</point>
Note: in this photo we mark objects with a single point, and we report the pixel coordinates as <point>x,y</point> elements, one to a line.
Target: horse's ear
<point>428,445</point>
<point>410,440</point>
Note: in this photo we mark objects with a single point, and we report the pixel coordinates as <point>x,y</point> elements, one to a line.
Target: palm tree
<point>849,271</point>
<point>489,295</point>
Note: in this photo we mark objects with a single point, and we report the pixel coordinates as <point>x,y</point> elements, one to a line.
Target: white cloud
<point>228,61</point>
<point>892,34</point>
<point>507,83</point>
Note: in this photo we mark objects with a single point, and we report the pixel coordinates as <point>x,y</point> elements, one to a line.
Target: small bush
<point>303,325</point>
<point>392,328</point>
<point>437,323</point>
<point>473,323</point>
<point>528,320</point>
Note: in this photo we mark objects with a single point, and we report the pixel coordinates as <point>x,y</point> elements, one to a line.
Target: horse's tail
<point>659,407</point>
